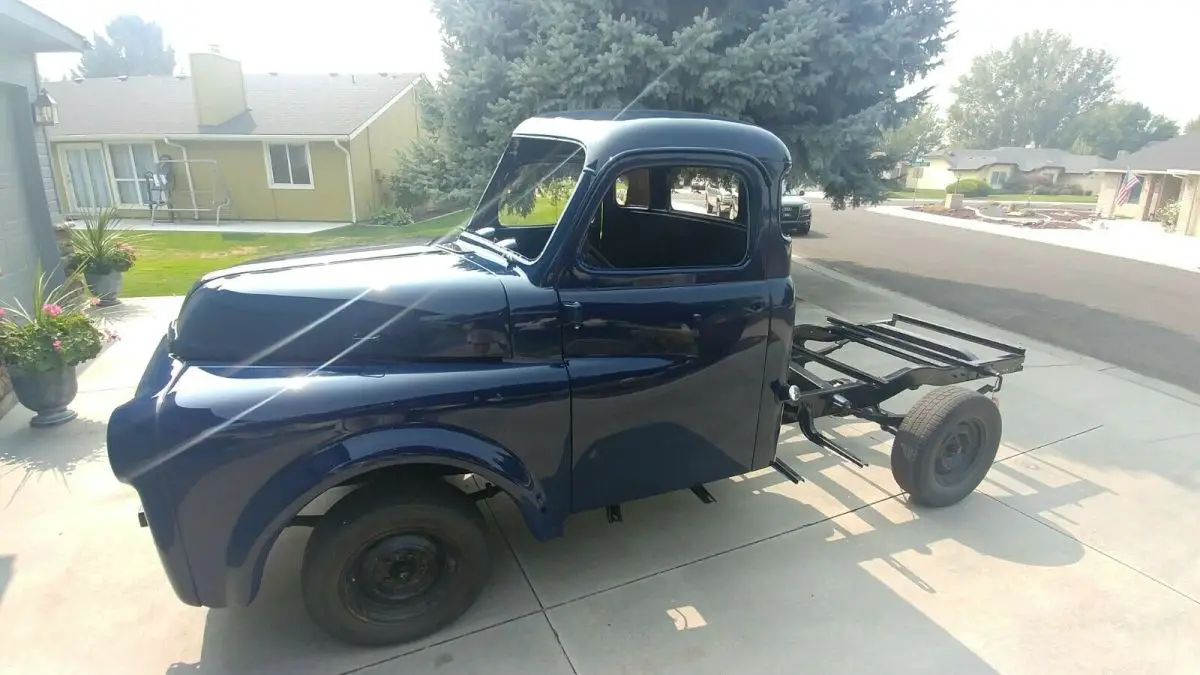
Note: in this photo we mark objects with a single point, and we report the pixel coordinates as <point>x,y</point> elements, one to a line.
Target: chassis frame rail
<point>861,394</point>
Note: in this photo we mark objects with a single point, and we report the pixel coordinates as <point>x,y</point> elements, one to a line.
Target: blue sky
<point>1151,38</point>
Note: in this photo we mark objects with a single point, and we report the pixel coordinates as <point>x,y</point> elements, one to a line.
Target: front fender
<point>278,501</point>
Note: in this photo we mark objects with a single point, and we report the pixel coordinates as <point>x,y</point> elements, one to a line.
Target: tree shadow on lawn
<point>832,580</point>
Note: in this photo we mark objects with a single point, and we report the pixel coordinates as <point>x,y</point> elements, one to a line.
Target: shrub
<point>969,187</point>
<point>1168,216</point>
<point>394,216</point>
<point>101,247</point>
<point>1016,183</point>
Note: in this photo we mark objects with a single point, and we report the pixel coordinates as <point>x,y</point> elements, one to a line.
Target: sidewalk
<point>1172,250</point>
<point>1074,556</point>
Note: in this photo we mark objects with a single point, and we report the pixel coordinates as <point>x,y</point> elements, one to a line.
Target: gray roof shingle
<point>1181,153</point>
<point>1026,159</point>
<point>302,105</point>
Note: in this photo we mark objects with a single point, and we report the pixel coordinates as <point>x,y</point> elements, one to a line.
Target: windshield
<point>530,190</point>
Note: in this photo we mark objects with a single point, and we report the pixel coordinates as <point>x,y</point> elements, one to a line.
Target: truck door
<point>665,314</point>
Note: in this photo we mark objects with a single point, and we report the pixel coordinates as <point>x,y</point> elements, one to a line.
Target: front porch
<point>1155,191</point>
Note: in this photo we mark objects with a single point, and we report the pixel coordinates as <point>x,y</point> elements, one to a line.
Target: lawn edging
<point>1001,197</point>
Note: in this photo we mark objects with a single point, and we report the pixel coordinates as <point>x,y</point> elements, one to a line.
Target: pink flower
<point>1,312</point>
<point>52,309</point>
<point>95,301</point>
<point>57,344</point>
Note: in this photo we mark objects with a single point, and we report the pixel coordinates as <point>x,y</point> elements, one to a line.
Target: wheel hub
<point>958,452</point>
<point>399,568</point>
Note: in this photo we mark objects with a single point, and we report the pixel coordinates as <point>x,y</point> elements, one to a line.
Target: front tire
<point>946,445</point>
<point>394,563</point>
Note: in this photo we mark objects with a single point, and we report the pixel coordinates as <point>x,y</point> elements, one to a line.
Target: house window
<point>997,179</point>
<point>129,163</point>
<point>917,173</point>
<point>288,165</point>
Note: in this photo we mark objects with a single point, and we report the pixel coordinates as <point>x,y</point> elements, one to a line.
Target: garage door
<point>18,249</point>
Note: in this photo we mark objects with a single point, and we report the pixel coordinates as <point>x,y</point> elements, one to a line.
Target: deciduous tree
<point>1118,127</point>
<point>919,136</point>
<point>1030,93</point>
<point>132,47</point>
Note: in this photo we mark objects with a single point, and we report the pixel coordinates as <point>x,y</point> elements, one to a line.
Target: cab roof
<point>605,134</point>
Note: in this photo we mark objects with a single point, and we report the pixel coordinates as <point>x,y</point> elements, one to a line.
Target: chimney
<point>217,87</point>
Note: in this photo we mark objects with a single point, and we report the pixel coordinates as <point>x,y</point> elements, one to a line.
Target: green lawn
<point>939,194</point>
<point>170,262</point>
<point>545,212</point>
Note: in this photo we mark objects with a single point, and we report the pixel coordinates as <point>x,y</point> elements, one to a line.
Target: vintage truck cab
<point>590,336</point>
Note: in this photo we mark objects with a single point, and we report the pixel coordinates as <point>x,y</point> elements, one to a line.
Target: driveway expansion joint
<point>1122,563</point>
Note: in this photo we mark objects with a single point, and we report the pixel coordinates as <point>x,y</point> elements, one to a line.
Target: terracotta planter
<point>47,393</point>
<point>105,287</point>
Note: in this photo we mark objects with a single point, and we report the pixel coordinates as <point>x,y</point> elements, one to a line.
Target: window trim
<point>115,183</point>
<point>312,179</point>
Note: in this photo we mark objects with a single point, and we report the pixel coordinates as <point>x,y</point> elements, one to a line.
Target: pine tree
<point>821,74</point>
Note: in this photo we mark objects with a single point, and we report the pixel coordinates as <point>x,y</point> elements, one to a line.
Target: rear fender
<point>274,506</point>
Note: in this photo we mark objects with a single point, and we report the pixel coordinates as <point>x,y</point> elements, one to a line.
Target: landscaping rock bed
<point>1033,218</point>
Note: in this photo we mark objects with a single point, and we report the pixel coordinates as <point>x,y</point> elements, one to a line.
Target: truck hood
<point>373,305</point>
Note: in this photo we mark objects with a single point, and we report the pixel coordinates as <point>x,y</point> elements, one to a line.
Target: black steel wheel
<point>946,445</point>
<point>393,563</point>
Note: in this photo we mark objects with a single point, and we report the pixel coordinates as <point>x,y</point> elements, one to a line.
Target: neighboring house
<point>1169,171</point>
<point>995,167</point>
<point>252,147</point>
<point>28,208</point>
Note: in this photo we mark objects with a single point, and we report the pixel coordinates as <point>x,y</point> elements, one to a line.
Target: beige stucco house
<point>994,167</point>
<point>1170,171</point>
<point>220,143</point>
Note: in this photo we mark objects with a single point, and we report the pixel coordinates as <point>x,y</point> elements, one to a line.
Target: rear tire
<point>391,563</point>
<point>946,445</point>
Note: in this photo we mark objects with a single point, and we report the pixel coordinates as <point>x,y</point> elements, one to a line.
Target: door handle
<point>573,312</point>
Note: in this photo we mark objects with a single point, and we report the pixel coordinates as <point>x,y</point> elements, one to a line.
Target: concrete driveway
<point>1076,556</point>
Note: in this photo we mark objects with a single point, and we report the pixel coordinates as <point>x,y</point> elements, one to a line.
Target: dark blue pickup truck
<point>590,336</point>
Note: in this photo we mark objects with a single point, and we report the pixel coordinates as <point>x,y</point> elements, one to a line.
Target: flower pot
<point>47,393</point>
<point>105,287</point>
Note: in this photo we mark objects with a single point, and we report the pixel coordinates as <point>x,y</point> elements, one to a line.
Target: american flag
<point>1129,182</point>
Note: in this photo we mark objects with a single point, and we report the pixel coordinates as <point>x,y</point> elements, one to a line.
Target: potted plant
<point>103,252</point>
<point>41,346</point>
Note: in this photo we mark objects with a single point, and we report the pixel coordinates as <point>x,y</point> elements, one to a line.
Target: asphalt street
<point>1137,315</point>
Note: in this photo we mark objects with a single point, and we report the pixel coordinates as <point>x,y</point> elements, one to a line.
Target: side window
<point>711,191</point>
<point>671,217</point>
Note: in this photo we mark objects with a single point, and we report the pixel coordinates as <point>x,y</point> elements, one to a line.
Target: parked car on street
<point>719,201</point>
<point>607,354</point>
<point>795,216</point>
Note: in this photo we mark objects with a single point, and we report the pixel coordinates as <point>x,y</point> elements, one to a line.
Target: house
<point>1169,171</point>
<point>996,167</point>
<point>220,144</point>
<point>28,206</point>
